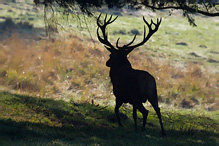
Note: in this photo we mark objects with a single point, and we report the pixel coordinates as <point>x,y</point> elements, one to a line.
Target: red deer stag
<point>130,85</point>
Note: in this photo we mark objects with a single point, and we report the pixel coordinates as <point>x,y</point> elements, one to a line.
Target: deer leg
<point>154,103</point>
<point>118,105</point>
<point>135,116</point>
<point>157,109</point>
<point>144,112</point>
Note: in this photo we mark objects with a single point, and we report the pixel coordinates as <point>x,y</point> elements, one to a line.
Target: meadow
<point>57,90</point>
<point>27,120</point>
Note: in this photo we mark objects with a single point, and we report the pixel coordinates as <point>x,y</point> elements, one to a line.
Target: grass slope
<point>29,121</point>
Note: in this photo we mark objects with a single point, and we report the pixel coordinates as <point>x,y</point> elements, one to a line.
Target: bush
<point>121,32</point>
<point>9,24</point>
<point>134,32</point>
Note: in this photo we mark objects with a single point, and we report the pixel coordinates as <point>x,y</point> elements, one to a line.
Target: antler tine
<point>103,26</point>
<point>144,31</point>
<point>110,18</point>
<point>113,19</point>
<point>98,35</point>
<point>106,22</point>
<point>105,19</point>
<point>104,39</point>
<point>145,38</point>
<point>98,19</point>
<point>125,46</point>
<point>159,21</point>
<point>146,22</point>
<point>117,44</point>
<point>158,24</point>
<point>131,41</point>
<point>152,22</point>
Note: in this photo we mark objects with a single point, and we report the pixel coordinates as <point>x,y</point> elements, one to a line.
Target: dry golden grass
<point>74,69</point>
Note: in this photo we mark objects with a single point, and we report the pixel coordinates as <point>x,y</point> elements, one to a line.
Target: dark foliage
<point>207,8</point>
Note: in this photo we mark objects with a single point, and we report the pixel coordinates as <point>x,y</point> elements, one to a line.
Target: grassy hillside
<point>74,69</point>
<point>26,120</point>
<point>57,91</point>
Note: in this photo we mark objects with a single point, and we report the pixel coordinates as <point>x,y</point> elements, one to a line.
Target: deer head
<point>118,56</point>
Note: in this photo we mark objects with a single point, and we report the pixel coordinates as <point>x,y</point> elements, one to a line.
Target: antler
<point>129,48</point>
<point>126,47</point>
<point>104,40</point>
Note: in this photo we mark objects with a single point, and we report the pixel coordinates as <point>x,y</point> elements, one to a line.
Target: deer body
<point>130,85</point>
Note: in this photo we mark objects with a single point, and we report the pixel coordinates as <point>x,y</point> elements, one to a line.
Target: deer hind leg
<point>154,103</point>
<point>135,116</point>
<point>144,112</point>
<point>118,105</point>
<point>161,123</point>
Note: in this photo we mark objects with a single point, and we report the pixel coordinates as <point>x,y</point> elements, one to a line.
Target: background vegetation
<point>60,91</point>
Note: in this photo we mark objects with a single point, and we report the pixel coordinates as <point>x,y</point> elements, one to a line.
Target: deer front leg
<point>144,112</point>
<point>118,105</point>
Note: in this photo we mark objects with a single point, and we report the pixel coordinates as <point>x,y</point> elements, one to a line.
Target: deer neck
<point>121,67</point>
<point>116,72</point>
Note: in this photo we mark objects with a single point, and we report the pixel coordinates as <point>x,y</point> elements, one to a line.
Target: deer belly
<point>127,93</point>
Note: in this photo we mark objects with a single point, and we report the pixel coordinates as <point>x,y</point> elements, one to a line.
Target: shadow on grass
<point>23,29</point>
<point>38,121</point>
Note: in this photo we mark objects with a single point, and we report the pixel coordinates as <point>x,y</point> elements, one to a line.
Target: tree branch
<point>183,8</point>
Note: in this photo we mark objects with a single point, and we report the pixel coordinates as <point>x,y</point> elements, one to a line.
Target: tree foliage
<point>204,7</point>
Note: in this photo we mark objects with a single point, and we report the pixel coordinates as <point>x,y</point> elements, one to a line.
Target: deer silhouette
<point>130,85</point>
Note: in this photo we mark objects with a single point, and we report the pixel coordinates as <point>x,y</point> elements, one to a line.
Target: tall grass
<point>76,69</point>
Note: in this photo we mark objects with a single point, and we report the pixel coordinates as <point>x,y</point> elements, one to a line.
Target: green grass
<point>28,120</point>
